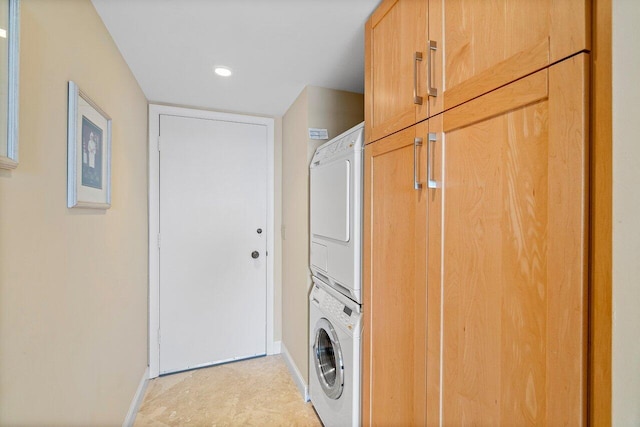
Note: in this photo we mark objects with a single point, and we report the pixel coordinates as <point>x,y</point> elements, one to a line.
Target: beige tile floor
<point>255,392</point>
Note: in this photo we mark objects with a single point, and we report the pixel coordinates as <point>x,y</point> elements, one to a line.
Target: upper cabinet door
<point>395,67</point>
<point>484,45</point>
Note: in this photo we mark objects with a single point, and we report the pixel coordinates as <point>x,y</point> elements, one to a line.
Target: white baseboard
<point>276,348</point>
<point>298,379</point>
<point>137,400</point>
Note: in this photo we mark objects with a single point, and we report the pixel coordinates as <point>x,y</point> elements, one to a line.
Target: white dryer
<point>336,212</point>
<point>334,356</point>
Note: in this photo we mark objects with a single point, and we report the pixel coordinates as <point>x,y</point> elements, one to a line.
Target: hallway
<point>254,392</point>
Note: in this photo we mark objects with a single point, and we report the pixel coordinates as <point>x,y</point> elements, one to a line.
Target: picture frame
<point>88,153</point>
<point>9,76</point>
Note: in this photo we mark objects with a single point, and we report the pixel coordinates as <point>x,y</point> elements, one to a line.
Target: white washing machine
<point>334,356</point>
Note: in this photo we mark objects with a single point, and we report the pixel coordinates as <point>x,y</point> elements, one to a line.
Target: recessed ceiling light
<point>222,71</point>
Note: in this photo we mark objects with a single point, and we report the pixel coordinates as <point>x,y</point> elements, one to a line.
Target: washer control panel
<point>346,315</point>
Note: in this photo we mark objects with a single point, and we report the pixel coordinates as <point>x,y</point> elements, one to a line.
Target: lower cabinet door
<point>508,316</point>
<point>475,256</point>
<point>394,279</point>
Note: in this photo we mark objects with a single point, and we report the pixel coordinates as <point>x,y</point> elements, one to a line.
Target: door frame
<point>155,111</point>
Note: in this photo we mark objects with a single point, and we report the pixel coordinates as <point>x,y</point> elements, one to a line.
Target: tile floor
<point>255,392</point>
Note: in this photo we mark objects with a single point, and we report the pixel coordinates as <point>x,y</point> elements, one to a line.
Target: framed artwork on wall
<point>9,65</point>
<point>88,153</point>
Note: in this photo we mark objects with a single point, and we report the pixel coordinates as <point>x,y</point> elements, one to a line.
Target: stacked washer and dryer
<point>335,311</point>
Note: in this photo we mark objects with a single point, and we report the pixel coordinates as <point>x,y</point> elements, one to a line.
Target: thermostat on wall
<point>318,133</point>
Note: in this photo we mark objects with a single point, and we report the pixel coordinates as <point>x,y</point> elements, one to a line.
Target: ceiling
<point>274,47</point>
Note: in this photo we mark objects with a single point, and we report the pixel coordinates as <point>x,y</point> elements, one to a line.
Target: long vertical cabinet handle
<point>416,57</point>
<point>417,142</point>
<point>433,47</point>
<point>431,183</point>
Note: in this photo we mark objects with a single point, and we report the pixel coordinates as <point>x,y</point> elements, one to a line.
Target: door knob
<point>259,231</point>
<point>255,254</point>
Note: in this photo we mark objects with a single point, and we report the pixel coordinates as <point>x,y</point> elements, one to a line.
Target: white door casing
<point>189,122</point>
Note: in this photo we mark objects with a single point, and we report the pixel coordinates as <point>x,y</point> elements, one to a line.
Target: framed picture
<point>9,64</point>
<point>88,153</point>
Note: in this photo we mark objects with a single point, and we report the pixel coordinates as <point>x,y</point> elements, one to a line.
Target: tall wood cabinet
<point>475,240</point>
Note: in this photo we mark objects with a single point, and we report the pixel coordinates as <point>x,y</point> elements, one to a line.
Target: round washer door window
<point>328,359</point>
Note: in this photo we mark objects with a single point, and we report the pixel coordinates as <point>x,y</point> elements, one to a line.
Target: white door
<point>213,218</point>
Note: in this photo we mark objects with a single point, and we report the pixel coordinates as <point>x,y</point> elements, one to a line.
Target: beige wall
<point>315,107</point>
<point>626,213</point>
<point>295,271</point>
<point>333,110</point>
<point>73,282</point>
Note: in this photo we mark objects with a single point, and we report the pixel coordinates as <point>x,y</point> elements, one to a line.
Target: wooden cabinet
<point>475,291</point>
<point>394,279</point>
<point>510,310</point>
<point>475,284</point>
<point>395,43</point>
<point>488,44</point>
<point>423,57</point>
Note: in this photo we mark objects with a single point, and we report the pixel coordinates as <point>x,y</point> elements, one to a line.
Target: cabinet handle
<point>417,142</point>
<point>433,46</point>
<point>431,183</point>
<point>416,57</point>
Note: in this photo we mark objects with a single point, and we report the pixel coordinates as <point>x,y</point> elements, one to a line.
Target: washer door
<point>328,359</point>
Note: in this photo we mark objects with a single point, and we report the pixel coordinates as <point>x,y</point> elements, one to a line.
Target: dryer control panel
<point>351,140</point>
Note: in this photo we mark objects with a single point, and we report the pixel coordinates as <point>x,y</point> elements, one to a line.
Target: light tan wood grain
<point>601,220</point>
<point>570,27</point>
<point>368,84</point>
<point>514,257</point>
<point>422,200</point>
<point>472,283</point>
<point>568,242</point>
<point>487,44</point>
<point>421,14</point>
<point>434,282</point>
<point>520,93</point>
<point>436,34</point>
<point>502,73</point>
<point>395,32</point>
<point>383,8</point>
<point>367,236</point>
<point>394,288</point>
<point>505,239</point>
<point>525,224</point>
